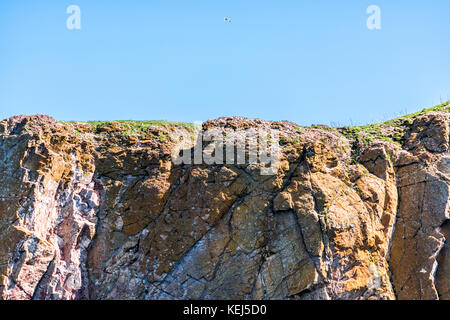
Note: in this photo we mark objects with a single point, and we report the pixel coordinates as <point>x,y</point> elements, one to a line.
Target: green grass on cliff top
<point>136,127</point>
<point>391,130</point>
<point>142,125</point>
<point>444,107</point>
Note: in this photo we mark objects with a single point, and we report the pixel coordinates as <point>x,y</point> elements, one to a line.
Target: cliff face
<point>97,212</point>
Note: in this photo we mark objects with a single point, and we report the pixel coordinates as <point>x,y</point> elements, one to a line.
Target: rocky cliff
<point>100,211</point>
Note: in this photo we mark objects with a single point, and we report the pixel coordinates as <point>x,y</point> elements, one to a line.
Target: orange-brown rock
<point>104,213</point>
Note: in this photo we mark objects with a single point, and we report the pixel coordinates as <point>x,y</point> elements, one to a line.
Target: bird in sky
<point>227,19</point>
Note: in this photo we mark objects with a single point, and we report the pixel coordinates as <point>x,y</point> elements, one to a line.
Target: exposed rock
<point>48,210</point>
<point>430,132</point>
<point>101,213</point>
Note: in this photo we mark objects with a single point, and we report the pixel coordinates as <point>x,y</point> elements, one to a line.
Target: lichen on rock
<point>100,211</point>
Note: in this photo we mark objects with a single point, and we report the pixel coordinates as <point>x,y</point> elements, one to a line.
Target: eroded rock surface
<point>104,214</point>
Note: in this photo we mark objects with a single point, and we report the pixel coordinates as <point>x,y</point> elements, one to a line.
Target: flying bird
<point>227,19</point>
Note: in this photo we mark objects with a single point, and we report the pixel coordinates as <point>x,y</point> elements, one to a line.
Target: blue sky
<point>308,61</point>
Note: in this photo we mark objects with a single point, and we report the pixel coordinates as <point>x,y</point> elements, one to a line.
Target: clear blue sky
<point>308,61</point>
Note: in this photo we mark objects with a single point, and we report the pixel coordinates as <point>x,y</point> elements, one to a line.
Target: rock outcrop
<point>101,212</point>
